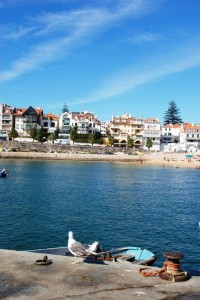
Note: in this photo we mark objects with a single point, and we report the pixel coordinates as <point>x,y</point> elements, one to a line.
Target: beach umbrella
<point>189,156</point>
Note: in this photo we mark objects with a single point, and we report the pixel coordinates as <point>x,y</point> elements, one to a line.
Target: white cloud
<point>145,37</point>
<point>12,33</point>
<point>79,23</point>
<point>154,69</point>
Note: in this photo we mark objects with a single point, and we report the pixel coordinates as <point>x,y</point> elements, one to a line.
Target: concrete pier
<point>21,278</point>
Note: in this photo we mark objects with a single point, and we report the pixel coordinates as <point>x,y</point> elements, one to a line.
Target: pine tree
<point>172,114</point>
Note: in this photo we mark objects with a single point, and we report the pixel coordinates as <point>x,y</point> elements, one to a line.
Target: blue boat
<point>134,255</point>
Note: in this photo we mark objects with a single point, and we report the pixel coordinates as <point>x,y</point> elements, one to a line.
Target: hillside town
<point>125,130</point>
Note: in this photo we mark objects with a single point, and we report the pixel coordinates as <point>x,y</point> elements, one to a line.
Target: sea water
<point>117,204</point>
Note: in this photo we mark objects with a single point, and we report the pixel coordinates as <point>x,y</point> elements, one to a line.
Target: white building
<point>171,133</point>
<point>49,123</point>
<point>86,122</point>
<point>152,130</point>
<point>190,136</point>
<point>103,128</point>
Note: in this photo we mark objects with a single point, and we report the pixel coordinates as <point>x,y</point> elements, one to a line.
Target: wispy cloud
<point>145,37</point>
<point>151,70</point>
<point>72,27</point>
<point>12,33</point>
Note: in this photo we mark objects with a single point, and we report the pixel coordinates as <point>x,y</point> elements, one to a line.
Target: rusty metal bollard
<point>171,269</point>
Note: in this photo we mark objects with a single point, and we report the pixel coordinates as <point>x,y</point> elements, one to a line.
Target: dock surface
<point>21,278</point>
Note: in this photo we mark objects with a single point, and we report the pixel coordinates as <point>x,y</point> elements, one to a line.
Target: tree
<point>33,133</point>
<point>13,134</point>
<point>91,138</point>
<point>54,136</point>
<point>129,143</point>
<point>172,114</point>
<point>149,143</point>
<point>39,135</point>
<point>74,134</point>
<point>111,140</point>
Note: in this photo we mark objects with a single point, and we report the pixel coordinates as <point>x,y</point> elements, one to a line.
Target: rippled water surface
<point>118,204</point>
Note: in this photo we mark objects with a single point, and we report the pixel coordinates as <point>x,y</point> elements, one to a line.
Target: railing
<point>6,118</point>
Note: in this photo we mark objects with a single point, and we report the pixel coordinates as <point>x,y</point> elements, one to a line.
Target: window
<point>66,121</point>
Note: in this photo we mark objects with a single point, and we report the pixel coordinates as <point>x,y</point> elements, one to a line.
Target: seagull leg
<point>76,261</point>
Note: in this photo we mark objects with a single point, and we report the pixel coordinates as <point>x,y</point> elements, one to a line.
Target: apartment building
<point>171,133</point>
<point>27,118</point>
<point>49,123</point>
<point>152,130</point>
<point>6,121</point>
<point>190,136</point>
<point>124,127</point>
<point>86,122</point>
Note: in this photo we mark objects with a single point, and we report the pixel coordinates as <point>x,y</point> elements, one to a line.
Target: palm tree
<point>129,143</point>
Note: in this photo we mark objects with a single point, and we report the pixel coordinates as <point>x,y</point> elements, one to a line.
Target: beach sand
<point>174,160</point>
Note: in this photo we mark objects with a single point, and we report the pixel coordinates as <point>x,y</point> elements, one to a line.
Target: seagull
<point>80,250</point>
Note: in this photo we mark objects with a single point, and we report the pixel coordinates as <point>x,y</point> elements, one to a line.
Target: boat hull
<point>4,174</point>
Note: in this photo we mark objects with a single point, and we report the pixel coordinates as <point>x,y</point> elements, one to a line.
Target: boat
<point>130,254</point>
<point>4,174</point>
<point>135,255</point>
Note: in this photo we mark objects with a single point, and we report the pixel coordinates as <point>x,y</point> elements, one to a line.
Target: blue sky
<point>105,56</point>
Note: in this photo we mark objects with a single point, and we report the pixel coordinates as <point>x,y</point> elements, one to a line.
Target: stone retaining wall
<point>52,148</point>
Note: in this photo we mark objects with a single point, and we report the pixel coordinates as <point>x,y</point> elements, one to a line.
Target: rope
<point>169,266</point>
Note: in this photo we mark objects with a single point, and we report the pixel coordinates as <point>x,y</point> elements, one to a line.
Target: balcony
<point>151,134</point>
<point>6,127</point>
<point>136,122</point>
<point>65,131</point>
<point>83,131</point>
<point>6,118</point>
<point>115,126</point>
